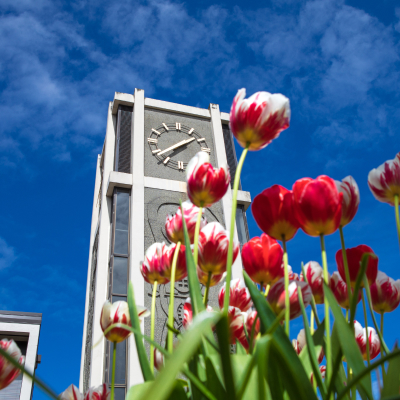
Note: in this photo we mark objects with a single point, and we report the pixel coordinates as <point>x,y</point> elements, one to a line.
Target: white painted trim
<point>225,117</point>
<point>178,108</point>
<point>136,229</point>
<point>31,352</point>
<point>123,99</point>
<point>118,179</point>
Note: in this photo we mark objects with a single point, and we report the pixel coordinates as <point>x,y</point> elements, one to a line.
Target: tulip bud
<point>206,185</point>
<point>339,289</point>
<point>276,297</point>
<point>8,372</point>
<point>214,279</point>
<point>354,257</point>
<point>262,259</point>
<point>153,266</point>
<point>239,296</point>
<point>213,248</point>
<point>181,271</point>
<point>301,342</point>
<point>98,393</point>
<point>71,393</point>
<point>384,181</point>
<point>361,339</point>
<point>258,120</point>
<point>174,223</point>
<point>158,360</point>
<point>273,211</point>
<point>315,278</point>
<point>317,205</point>
<point>385,293</point>
<point>351,198</point>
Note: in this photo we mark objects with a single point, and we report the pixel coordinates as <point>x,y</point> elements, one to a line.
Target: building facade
<point>140,178</point>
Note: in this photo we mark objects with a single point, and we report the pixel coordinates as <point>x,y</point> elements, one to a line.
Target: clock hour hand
<point>175,146</point>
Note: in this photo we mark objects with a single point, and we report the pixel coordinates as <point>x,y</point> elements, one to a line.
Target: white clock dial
<point>186,143</point>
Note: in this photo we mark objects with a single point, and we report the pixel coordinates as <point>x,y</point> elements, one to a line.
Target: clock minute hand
<point>175,146</point>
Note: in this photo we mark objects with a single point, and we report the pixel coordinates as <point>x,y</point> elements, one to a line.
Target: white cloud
<point>7,254</point>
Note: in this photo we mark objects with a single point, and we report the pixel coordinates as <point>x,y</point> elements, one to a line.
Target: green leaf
<point>313,304</point>
<point>240,349</point>
<point>288,358</point>
<point>136,392</point>
<point>215,379</point>
<point>263,355</point>
<point>142,355</point>
<point>348,342</point>
<point>194,285</point>
<point>191,340</point>
<point>391,381</point>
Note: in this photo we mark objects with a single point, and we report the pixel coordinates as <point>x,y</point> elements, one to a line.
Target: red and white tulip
<point>180,271</point>
<point>351,198</point>
<point>8,372</point>
<point>71,393</point>
<point>300,342</point>
<point>250,320</point>
<point>384,181</point>
<point>339,289</point>
<point>213,248</point>
<point>215,279</point>
<point>385,293</point>
<point>188,312</point>
<point>98,393</point>
<point>236,321</point>
<point>158,360</point>
<point>361,339</point>
<point>239,295</point>
<point>153,266</point>
<point>205,184</point>
<point>322,369</point>
<point>256,121</point>
<point>293,276</point>
<point>174,223</point>
<point>315,278</point>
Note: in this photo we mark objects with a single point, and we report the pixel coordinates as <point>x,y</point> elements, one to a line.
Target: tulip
<point>351,198</point>
<point>276,297</point>
<point>213,248</point>
<point>71,393</point>
<point>118,313</point>
<point>300,342</point>
<point>153,266</point>
<point>315,278</point>
<point>98,393</point>
<point>339,289</point>
<point>8,372</point>
<point>256,121</point>
<point>174,223</point>
<point>158,360</point>
<point>181,271</point>
<point>293,276</point>
<point>205,184</point>
<point>236,320</point>
<point>385,293</point>
<point>317,205</point>
<point>354,257</point>
<point>239,296</point>
<point>361,339</point>
<point>211,280</point>
<point>188,313</point>
<point>322,369</point>
<point>273,211</point>
<point>251,317</point>
<point>384,181</point>
<point>262,260</point>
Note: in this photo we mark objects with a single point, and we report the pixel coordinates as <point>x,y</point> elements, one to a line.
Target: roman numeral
<point>152,141</point>
<point>191,131</point>
<point>201,140</point>
<point>158,133</point>
<point>165,127</point>
<point>178,126</point>
<point>166,160</point>
<point>180,165</point>
<point>205,149</point>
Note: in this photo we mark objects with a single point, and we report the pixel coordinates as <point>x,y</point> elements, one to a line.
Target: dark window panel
<point>241,224</point>
<point>123,140</point>
<point>120,363</point>
<point>118,298</point>
<point>230,152</point>
<point>121,242</point>
<point>120,275</point>
<point>119,393</point>
<point>122,217</point>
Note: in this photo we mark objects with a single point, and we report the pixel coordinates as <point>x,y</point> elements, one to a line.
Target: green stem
<point>232,230</point>
<point>113,370</point>
<point>153,317</point>
<point>382,313</point>
<point>205,298</point>
<point>266,290</point>
<point>396,210</point>
<point>312,322</point>
<point>171,298</point>
<point>196,236</point>
<point>287,299</point>
<point>327,316</point>
<point>346,264</point>
<point>366,326</point>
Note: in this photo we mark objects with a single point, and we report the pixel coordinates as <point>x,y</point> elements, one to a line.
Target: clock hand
<point>175,146</point>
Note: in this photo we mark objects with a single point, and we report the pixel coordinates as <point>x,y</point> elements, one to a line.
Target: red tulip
<point>273,211</point>
<point>300,342</point>
<point>361,339</point>
<point>317,205</point>
<point>213,248</point>
<point>98,393</point>
<point>354,257</point>
<point>351,198</point>
<point>262,259</point>
<point>206,185</point>
<point>315,278</point>
<point>181,271</point>
<point>339,289</point>
<point>385,293</point>
<point>276,296</point>
<point>239,296</point>
<point>215,279</point>
<point>71,393</point>
<point>174,224</point>
<point>188,313</point>
<point>259,119</point>
<point>153,266</point>
<point>8,372</point>
<point>384,181</point>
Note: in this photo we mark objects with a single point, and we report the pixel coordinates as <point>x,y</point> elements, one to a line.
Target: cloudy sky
<point>60,64</point>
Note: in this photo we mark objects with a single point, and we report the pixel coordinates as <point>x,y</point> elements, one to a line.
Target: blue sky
<point>60,64</point>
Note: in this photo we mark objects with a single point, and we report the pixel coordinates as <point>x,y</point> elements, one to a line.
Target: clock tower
<point>140,178</point>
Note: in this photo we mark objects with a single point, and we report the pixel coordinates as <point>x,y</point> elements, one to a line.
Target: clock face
<point>186,142</point>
